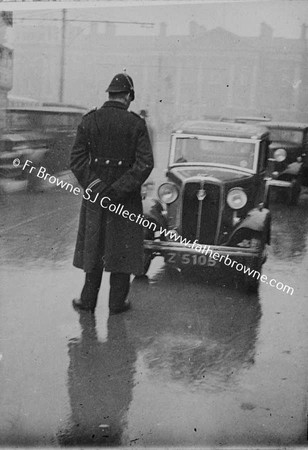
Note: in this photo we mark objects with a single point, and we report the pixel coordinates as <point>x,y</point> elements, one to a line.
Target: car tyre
<point>147,262</point>
<point>148,256</point>
<point>251,284</point>
<point>294,193</point>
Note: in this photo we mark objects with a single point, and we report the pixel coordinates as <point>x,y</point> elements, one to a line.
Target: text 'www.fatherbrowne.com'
<point>119,209</point>
<point>206,250</point>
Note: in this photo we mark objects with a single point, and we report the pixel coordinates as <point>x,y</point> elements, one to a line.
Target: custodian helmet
<point>122,83</point>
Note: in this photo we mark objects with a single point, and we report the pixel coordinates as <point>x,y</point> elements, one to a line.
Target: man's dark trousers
<point>119,288</point>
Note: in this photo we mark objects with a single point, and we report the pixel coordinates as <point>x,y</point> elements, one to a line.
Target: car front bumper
<point>163,247</point>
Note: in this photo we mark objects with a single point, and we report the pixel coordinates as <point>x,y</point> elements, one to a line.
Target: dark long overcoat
<point>111,156</point>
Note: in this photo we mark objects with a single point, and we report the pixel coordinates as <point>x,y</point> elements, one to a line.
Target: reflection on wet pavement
<point>206,342</point>
<point>100,378</point>
<point>38,229</point>
<point>289,231</point>
<point>195,362</point>
<point>194,344</point>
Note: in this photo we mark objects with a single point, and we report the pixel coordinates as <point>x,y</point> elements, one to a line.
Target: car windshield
<point>294,136</point>
<point>199,150</point>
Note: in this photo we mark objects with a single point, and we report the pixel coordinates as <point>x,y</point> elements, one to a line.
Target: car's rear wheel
<point>295,191</point>
<point>147,262</point>
<point>304,176</point>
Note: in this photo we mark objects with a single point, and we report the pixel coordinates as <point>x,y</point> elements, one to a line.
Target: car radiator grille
<point>206,215</point>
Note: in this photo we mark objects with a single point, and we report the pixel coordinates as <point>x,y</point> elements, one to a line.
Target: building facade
<point>206,73</point>
<point>6,63</point>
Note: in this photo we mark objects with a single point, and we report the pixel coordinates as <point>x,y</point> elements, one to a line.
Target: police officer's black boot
<point>119,288</point>
<point>89,293</point>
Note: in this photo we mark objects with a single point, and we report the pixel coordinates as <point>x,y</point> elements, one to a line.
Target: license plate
<point>190,259</point>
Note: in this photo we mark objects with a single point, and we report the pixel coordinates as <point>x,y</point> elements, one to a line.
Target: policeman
<point>111,158</point>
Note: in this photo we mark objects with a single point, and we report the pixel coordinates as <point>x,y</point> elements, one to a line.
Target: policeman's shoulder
<point>89,112</point>
<point>137,115</point>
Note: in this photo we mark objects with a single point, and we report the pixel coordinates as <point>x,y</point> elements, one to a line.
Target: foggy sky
<point>243,18</point>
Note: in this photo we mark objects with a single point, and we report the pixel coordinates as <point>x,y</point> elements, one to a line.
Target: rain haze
<point>206,356</point>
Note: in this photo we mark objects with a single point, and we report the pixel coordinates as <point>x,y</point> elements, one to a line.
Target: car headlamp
<point>168,193</point>
<point>280,154</point>
<point>236,198</point>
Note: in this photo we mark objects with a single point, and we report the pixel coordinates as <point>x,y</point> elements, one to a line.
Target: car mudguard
<point>153,210</point>
<point>292,170</point>
<point>257,220</point>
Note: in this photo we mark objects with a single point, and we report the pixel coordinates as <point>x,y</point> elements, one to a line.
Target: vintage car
<point>289,149</point>
<point>288,166</point>
<point>215,197</point>
<point>56,123</point>
<point>30,145</point>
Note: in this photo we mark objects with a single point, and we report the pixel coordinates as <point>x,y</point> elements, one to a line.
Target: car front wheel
<point>252,281</point>
<point>148,256</point>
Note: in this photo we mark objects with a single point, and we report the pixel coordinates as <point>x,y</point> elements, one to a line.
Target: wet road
<point>195,362</point>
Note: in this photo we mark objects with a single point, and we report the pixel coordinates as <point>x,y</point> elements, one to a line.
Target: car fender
<point>258,220</point>
<point>153,210</point>
<point>292,170</point>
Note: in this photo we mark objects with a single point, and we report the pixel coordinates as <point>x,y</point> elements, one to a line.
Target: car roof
<point>225,129</point>
<point>287,125</point>
<point>244,119</point>
<point>268,122</point>
<point>23,136</point>
<point>12,137</point>
<point>47,109</point>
